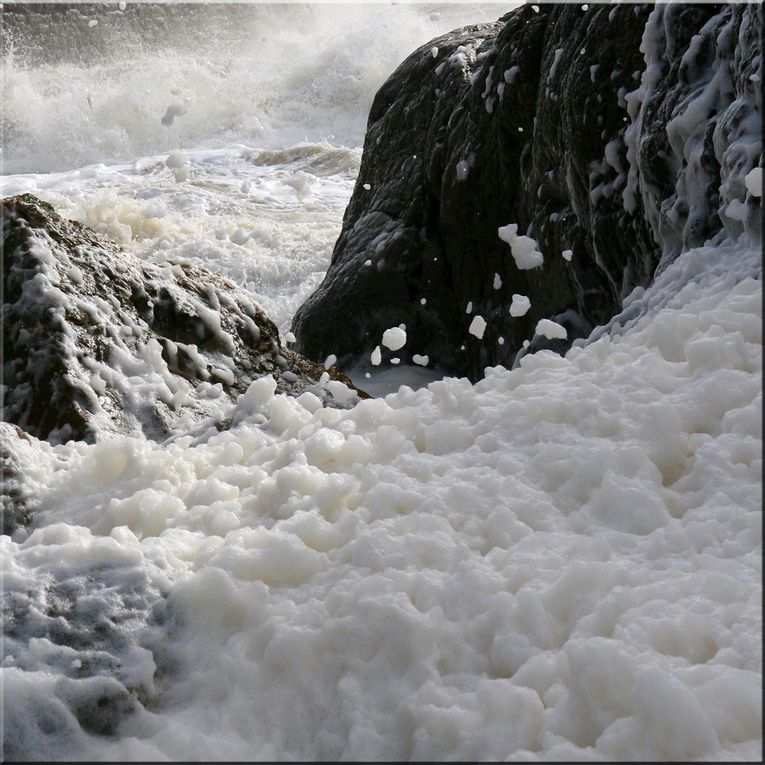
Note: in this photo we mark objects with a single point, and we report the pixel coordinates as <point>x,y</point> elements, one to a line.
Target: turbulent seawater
<point>562,561</point>
<point>264,107</point>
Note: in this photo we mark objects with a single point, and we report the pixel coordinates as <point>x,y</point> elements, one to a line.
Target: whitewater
<point>562,561</point>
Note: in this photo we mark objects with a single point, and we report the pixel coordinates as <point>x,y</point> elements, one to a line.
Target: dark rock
<point>96,339</point>
<point>88,629</point>
<point>550,120</point>
<point>18,500</point>
<point>98,703</point>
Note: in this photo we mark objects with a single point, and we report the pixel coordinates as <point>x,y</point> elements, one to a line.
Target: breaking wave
<point>93,83</point>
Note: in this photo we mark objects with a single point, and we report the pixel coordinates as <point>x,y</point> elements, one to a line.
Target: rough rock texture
<point>97,340</point>
<point>621,133</point>
<point>18,500</point>
<point>95,628</point>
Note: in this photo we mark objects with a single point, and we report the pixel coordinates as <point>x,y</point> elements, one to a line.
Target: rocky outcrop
<point>616,134</point>
<point>96,340</point>
<point>18,500</point>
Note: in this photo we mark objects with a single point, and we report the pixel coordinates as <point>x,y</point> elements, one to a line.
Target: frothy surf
<point>560,562</point>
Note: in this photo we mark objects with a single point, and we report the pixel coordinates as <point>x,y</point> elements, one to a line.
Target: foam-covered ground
<point>560,562</point>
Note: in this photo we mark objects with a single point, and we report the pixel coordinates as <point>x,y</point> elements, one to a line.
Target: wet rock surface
<point>85,630</point>
<point>96,340</point>
<point>553,120</point>
<point>18,500</point>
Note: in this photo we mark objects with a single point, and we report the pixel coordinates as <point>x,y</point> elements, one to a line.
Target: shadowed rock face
<point>556,121</point>
<point>97,340</point>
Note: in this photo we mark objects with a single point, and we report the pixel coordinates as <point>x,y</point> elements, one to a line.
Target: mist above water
<point>92,83</point>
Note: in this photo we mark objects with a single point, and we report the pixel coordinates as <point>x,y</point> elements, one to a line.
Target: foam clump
<point>524,249</point>
<point>477,326</point>
<point>551,330</point>
<point>519,305</point>
<point>394,338</point>
<point>176,161</point>
<point>753,181</point>
<point>258,394</point>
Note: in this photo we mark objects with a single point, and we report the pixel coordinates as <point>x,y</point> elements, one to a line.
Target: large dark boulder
<point>95,339</point>
<point>618,132</point>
